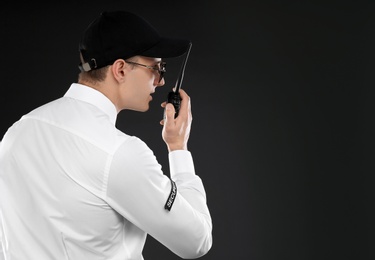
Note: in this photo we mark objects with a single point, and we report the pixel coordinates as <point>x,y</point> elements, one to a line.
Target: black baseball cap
<point>121,34</point>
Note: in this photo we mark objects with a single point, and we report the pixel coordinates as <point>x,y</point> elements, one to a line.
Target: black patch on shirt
<point>171,197</point>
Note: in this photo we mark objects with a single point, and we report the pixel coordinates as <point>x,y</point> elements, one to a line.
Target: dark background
<point>282,97</point>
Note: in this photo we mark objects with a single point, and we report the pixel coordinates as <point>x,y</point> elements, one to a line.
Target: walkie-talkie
<point>174,96</point>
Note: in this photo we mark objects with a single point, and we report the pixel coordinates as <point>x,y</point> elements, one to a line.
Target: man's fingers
<point>185,103</point>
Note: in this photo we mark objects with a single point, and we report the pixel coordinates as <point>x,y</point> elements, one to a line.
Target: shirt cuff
<point>181,163</point>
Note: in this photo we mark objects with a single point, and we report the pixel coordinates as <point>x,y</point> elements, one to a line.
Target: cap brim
<point>167,48</point>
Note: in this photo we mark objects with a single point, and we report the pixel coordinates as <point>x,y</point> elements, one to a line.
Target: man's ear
<point>119,68</point>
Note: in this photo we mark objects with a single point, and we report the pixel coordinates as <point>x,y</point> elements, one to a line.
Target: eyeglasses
<point>160,68</point>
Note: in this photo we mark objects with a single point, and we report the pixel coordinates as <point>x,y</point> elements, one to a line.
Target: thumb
<point>169,112</point>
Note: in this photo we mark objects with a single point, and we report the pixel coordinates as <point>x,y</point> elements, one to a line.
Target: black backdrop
<point>283,124</point>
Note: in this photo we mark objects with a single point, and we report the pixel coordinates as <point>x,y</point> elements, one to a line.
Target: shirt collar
<point>94,97</point>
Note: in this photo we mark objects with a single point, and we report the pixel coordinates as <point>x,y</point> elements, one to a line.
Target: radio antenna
<point>182,72</point>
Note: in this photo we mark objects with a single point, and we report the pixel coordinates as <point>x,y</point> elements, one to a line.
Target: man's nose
<point>160,83</point>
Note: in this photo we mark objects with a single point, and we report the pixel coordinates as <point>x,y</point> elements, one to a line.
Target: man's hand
<point>176,131</point>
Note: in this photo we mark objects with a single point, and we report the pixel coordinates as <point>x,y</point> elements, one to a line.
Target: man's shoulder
<point>80,120</point>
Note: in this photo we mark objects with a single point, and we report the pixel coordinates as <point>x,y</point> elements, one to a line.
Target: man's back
<point>57,156</point>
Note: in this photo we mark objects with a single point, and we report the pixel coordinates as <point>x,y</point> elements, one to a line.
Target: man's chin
<point>141,110</point>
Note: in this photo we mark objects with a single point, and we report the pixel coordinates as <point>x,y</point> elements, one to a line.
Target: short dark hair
<point>93,76</point>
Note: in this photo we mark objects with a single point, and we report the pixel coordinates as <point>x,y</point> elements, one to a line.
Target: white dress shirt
<point>72,186</point>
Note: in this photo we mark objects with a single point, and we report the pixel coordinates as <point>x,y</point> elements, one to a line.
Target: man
<point>72,186</point>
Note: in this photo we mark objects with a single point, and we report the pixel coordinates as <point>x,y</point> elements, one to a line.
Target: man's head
<point>121,56</point>
<point>121,34</point>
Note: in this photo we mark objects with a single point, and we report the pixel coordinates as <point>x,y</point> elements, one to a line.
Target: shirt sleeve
<point>139,191</point>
